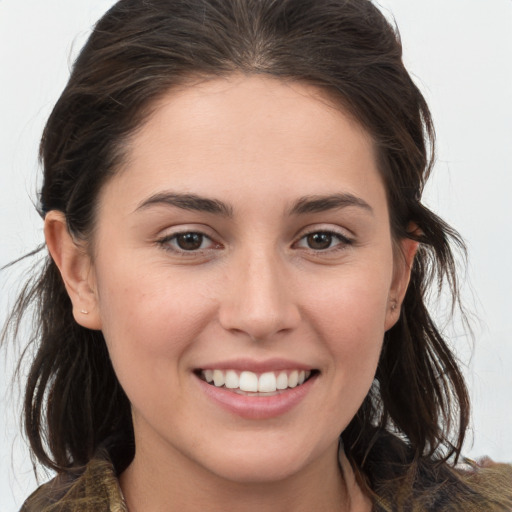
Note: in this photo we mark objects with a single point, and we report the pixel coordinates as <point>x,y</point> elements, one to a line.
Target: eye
<point>188,241</point>
<point>323,240</point>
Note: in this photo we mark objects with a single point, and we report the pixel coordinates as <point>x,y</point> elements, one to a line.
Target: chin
<point>242,470</point>
<point>260,462</point>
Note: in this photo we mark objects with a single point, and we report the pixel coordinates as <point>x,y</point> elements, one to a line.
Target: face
<point>243,277</point>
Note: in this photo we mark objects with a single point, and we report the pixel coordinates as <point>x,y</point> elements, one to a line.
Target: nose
<point>259,300</point>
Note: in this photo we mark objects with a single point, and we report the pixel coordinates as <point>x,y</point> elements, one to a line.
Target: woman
<point>239,263</point>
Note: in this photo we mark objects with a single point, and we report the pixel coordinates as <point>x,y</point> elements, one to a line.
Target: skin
<point>255,289</point>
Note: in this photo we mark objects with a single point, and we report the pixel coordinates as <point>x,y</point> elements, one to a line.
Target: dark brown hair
<point>136,53</point>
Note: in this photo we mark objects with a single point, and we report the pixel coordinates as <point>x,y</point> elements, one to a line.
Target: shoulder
<point>400,481</point>
<point>490,481</point>
<point>94,488</point>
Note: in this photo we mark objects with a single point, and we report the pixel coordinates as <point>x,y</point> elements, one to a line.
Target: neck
<point>175,484</point>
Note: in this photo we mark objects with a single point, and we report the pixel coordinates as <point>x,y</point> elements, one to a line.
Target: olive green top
<point>94,489</point>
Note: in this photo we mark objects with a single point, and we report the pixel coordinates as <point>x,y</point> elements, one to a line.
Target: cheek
<point>349,315</point>
<point>354,339</point>
<point>149,320</point>
<point>352,303</point>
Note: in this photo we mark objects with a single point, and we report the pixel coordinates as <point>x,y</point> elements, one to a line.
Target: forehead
<point>245,133</point>
<point>252,102</point>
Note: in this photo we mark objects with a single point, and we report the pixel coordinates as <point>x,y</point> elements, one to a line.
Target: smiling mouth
<point>251,383</point>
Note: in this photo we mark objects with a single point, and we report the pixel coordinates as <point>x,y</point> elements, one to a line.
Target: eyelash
<point>168,242</point>
<point>343,240</point>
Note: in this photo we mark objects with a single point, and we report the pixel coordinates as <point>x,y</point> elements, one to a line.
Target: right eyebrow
<point>187,202</point>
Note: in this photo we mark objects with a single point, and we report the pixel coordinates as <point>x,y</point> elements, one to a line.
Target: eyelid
<point>326,228</point>
<point>164,241</point>
<point>338,233</point>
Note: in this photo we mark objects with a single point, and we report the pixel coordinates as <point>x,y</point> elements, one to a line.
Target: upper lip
<point>252,365</point>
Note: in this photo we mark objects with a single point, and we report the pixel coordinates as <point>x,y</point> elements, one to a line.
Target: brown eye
<point>189,241</point>
<point>319,241</point>
<point>323,241</point>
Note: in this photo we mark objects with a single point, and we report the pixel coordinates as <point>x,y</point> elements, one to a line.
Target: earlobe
<point>75,268</point>
<point>402,273</point>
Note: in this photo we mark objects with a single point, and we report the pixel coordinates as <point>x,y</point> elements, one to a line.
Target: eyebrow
<point>318,204</point>
<point>304,205</point>
<point>188,202</point>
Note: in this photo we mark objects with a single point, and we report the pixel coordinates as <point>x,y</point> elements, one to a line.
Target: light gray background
<point>460,53</point>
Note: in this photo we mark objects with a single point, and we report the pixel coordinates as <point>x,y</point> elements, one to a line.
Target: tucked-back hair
<point>136,53</point>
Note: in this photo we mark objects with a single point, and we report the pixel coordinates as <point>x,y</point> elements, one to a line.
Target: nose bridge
<point>258,298</point>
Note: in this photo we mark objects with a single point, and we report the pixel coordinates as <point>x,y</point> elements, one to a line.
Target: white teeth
<point>293,379</point>
<point>282,381</point>
<point>248,381</point>
<point>232,380</point>
<point>268,382</point>
<point>218,378</point>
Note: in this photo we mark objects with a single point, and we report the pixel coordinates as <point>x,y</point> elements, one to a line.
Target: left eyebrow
<point>318,204</point>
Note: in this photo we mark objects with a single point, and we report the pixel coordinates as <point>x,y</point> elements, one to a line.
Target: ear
<point>76,269</point>
<point>404,260</point>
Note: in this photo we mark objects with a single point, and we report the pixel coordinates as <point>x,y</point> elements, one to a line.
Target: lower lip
<point>258,407</point>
